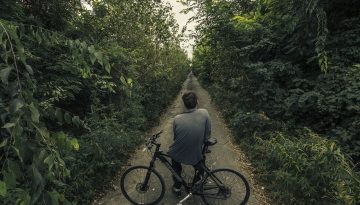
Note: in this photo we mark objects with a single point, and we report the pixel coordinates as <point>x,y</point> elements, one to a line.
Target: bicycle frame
<point>210,186</point>
<point>163,159</point>
<point>188,188</point>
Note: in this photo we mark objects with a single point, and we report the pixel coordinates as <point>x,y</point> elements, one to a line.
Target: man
<point>191,129</point>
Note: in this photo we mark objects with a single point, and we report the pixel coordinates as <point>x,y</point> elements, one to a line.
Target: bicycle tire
<point>132,180</point>
<point>234,183</point>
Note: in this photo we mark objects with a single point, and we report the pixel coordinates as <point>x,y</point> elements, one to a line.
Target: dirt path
<point>224,154</point>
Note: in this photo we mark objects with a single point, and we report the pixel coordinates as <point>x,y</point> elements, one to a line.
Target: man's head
<point>190,100</point>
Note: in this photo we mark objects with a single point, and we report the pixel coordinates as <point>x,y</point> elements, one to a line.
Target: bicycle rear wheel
<point>137,191</point>
<point>226,187</point>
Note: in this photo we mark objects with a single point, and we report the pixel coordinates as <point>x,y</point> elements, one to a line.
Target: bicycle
<point>216,186</point>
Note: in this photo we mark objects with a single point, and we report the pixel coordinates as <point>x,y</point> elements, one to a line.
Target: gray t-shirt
<point>191,129</point>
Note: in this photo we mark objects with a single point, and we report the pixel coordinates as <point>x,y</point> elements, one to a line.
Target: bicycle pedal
<point>184,199</point>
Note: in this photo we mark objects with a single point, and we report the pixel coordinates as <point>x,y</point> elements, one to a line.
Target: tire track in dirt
<point>225,154</point>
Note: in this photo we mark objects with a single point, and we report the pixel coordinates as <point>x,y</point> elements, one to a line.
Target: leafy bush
<point>101,155</point>
<point>276,66</point>
<point>77,92</point>
<point>303,168</point>
<point>265,60</point>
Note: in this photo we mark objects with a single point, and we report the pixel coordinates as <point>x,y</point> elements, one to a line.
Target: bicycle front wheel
<point>226,187</point>
<point>138,190</point>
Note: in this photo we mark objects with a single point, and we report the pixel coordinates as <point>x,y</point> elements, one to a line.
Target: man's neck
<point>190,110</point>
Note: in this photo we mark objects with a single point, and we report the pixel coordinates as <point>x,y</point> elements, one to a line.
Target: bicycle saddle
<point>211,141</point>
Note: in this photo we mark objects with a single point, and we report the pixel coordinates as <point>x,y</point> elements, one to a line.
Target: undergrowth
<point>295,165</point>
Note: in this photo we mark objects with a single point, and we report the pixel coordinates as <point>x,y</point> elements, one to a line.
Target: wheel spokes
<point>139,192</point>
<point>224,186</point>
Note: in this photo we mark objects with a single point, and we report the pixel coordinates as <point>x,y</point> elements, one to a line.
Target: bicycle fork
<point>147,177</point>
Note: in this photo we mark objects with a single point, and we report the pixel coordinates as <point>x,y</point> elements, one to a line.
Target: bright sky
<point>182,20</point>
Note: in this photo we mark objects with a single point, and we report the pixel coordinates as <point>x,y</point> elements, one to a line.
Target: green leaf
<point>91,49</point>
<point>3,189</point>
<point>76,121</point>
<point>4,73</point>
<point>54,196</point>
<point>123,81</point>
<point>75,144</point>
<point>38,37</point>
<point>16,104</point>
<point>24,198</point>
<point>106,61</point>
<point>67,118</point>
<point>17,153</point>
<point>42,131</point>
<point>332,146</point>
<point>10,179</point>
<point>130,82</point>
<point>38,183</point>
<point>49,160</point>
<point>34,113</point>
<point>99,57</point>
<point>21,30</point>
<point>92,58</point>
<point>84,44</point>
<point>59,183</point>
<point>108,68</point>
<point>29,69</point>
<point>62,140</point>
<point>1,36</point>
<point>8,125</point>
<point>3,143</point>
<point>59,115</point>
<point>41,155</point>
<point>5,56</point>
<point>14,167</point>
<point>21,53</point>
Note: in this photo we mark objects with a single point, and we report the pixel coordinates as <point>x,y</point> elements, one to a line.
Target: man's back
<point>190,130</point>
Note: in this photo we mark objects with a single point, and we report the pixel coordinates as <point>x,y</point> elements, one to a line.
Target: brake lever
<point>149,145</point>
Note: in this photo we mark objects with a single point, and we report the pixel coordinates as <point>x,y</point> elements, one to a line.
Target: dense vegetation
<point>78,89</point>
<point>286,74</point>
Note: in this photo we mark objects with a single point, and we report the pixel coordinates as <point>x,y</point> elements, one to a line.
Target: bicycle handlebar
<point>152,140</point>
<point>157,135</point>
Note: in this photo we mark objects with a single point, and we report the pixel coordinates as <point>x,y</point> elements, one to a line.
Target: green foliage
<point>260,61</point>
<point>30,150</point>
<point>10,10</point>
<point>72,106</point>
<point>101,155</point>
<point>304,168</point>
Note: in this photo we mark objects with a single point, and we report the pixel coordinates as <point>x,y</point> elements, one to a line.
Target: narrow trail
<point>223,155</point>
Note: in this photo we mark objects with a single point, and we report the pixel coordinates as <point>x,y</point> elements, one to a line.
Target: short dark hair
<point>189,99</point>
